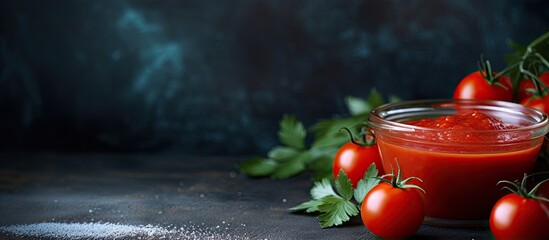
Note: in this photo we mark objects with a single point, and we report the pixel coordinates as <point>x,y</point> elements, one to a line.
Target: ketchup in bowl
<point>460,149</point>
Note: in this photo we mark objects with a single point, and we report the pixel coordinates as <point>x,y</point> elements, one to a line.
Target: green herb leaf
<point>322,189</point>
<point>357,106</point>
<point>375,99</point>
<point>258,167</point>
<point>327,133</point>
<point>292,133</point>
<point>309,206</point>
<point>288,169</point>
<point>331,141</point>
<point>318,166</point>
<point>393,99</point>
<point>283,153</point>
<point>294,157</point>
<point>365,184</point>
<point>343,185</point>
<point>335,210</point>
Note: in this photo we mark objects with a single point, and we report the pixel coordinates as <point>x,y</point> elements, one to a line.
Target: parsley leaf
<point>336,207</point>
<point>343,185</point>
<point>366,183</point>
<point>292,133</point>
<point>326,132</point>
<point>319,190</point>
<point>318,166</point>
<point>291,168</point>
<point>357,106</point>
<point>322,189</point>
<point>283,153</point>
<point>375,99</point>
<point>309,206</point>
<point>335,210</point>
<point>258,167</point>
<point>283,161</point>
<point>294,157</point>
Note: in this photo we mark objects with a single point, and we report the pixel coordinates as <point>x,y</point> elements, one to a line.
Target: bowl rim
<point>376,121</point>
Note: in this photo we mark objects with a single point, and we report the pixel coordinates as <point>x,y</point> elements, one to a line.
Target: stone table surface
<point>161,196</point>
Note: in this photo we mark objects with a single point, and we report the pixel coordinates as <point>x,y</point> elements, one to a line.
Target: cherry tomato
<point>537,102</point>
<point>516,217</point>
<point>392,212</point>
<point>355,159</point>
<point>474,86</point>
<point>527,89</point>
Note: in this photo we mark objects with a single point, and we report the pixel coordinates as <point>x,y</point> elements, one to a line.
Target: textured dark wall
<point>215,77</point>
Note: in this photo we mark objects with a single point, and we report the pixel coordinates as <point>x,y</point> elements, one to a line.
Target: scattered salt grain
<point>105,230</point>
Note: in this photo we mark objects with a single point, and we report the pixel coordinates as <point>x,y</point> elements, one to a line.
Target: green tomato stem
<point>364,141</point>
<point>396,180</point>
<point>530,51</point>
<point>521,189</point>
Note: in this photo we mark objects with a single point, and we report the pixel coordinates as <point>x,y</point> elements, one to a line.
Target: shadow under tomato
<point>432,232</point>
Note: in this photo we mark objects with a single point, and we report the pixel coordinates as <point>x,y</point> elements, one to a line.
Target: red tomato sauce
<point>460,184</point>
<point>471,121</point>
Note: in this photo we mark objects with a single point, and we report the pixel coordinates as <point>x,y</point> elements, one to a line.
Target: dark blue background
<point>215,77</point>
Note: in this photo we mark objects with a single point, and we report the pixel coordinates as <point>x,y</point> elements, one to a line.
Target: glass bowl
<point>460,168</point>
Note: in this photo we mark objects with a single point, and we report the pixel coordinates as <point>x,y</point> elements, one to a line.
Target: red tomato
<point>516,217</point>
<point>474,86</point>
<point>527,89</point>
<point>391,212</point>
<point>355,159</point>
<point>539,103</point>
